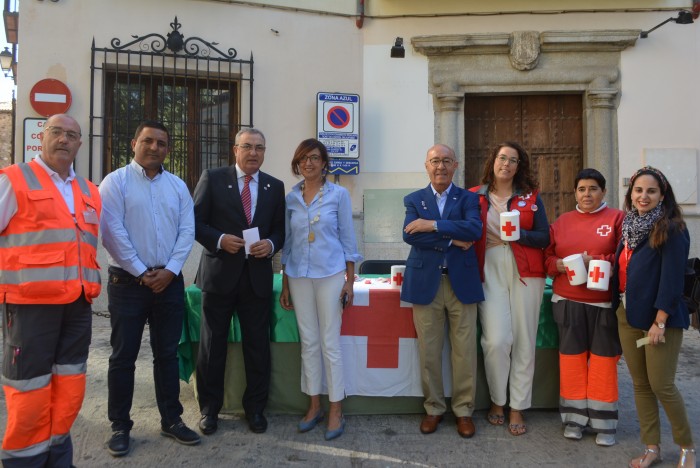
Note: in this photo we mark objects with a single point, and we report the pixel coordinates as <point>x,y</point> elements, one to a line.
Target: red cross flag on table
<point>380,349</point>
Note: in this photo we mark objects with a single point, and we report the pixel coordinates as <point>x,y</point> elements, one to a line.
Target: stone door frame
<point>531,62</point>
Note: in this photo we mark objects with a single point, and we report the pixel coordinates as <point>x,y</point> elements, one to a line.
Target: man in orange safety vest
<point>49,275</point>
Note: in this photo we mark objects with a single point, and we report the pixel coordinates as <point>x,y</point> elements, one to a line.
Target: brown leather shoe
<point>465,426</point>
<point>430,423</point>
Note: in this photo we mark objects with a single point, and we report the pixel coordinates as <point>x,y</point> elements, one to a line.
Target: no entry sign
<point>49,97</point>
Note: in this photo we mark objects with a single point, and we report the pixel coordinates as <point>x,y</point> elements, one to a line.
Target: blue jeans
<point>131,305</point>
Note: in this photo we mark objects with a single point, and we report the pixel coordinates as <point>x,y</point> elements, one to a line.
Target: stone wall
<point>5,136</point>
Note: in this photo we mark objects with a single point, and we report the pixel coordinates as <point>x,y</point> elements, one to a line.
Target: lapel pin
<point>230,186</point>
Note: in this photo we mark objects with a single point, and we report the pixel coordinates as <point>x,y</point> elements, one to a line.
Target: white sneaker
<point>573,432</point>
<point>605,440</point>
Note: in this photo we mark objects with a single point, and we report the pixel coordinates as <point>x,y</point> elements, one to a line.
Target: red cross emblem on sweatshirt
<point>383,323</point>
<point>604,230</point>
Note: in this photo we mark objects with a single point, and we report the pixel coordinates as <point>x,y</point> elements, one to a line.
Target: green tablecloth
<point>283,324</point>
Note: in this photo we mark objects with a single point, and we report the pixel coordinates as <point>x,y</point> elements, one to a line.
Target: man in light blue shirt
<point>148,230</point>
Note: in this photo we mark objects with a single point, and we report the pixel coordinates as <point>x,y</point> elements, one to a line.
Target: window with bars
<point>203,100</point>
<point>199,114</point>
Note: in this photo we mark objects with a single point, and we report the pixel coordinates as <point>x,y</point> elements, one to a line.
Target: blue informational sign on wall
<point>344,167</point>
<point>338,124</point>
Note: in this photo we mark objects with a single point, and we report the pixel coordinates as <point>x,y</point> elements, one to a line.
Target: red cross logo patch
<point>604,230</point>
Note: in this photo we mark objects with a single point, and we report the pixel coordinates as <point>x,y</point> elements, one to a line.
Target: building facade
<point>577,86</point>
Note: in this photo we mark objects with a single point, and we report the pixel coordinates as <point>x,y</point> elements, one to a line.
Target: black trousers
<point>254,317</point>
<point>131,306</point>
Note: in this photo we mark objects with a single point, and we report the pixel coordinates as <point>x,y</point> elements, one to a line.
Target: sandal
<point>645,460</point>
<point>495,417</point>
<point>517,429</point>
<point>683,462</point>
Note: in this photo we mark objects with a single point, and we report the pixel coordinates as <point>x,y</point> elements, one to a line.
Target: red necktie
<point>245,198</point>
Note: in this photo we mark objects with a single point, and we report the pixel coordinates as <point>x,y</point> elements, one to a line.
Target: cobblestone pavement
<point>369,441</point>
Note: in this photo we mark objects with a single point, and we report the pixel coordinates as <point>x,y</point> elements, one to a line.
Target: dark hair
<point>304,148</point>
<point>590,173</point>
<point>523,179</point>
<point>672,217</point>
<point>150,124</point>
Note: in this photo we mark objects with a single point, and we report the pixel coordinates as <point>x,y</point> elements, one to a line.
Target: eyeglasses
<point>247,147</point>
<point>58,132</point>
<point>503,160</point>
<point>435,162</point>
<point>314,158</point>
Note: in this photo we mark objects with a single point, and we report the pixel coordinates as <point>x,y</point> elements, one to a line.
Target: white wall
<point>659,103</point>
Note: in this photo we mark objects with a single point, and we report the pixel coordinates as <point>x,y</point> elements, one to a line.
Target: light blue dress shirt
<point>334,235</point>
<point>146,222</point>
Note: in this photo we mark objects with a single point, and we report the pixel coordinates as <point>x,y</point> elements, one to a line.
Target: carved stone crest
<point>524,50</point>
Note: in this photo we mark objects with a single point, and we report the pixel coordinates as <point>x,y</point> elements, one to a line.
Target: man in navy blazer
<point>232,281</point>
<point>443,283</point>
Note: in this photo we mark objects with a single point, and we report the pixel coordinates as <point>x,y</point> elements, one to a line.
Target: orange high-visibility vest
<point>47,255</point>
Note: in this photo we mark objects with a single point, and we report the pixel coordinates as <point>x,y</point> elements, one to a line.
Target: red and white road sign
<point>50,97</point>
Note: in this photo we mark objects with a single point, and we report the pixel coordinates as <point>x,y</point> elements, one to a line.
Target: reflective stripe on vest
<point>29,176</point>
<point>47,236</point>
<point>31,275</point>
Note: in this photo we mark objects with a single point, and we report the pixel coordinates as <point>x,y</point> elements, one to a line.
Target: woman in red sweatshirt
<point>589,346</point>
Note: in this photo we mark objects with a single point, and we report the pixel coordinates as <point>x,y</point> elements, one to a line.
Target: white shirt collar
<point>52,173</point>
<point>240,173</point>
<point>445,193</point>
<point>601,207</point>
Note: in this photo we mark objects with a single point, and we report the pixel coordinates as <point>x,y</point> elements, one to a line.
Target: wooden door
<point>548,126</point>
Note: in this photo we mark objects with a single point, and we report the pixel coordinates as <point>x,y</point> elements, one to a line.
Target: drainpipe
<point>361,11</point>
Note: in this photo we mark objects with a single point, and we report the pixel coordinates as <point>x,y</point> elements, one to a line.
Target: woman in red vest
<point>513,276</point>
<point>589,346</point>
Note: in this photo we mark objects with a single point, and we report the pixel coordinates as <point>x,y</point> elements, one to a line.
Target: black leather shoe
<point>257,422</point>
<point>208,424</point>
<point>118,445</point>
<point>181,433</point>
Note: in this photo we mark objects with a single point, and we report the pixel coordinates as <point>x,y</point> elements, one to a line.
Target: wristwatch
<point>661,325</point>
<point>434,226</point>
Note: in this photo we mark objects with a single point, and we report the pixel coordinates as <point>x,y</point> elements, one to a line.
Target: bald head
<point>60,142</point>
<point>441,164</point>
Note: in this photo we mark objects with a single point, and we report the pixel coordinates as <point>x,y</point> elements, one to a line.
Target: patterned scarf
<point>636,227</point>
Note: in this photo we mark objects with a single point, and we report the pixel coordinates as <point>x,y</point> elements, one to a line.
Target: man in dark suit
<point>228,201</point>
<point>442,282</point>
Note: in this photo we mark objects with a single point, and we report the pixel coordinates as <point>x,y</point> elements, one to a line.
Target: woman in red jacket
<point>513,275</point>
<point>589,346</point>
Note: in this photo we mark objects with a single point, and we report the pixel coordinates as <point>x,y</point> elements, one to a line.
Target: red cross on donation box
<point>508,228</point>
<point>570,273</point>
<point>596,275</point>
<point>383,322</point>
